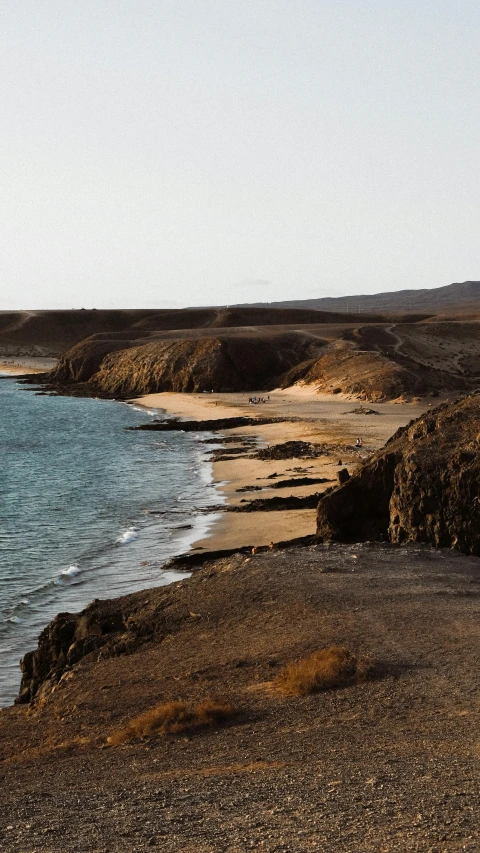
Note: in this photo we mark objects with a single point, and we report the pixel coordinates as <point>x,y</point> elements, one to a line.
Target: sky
<point>166,153</point>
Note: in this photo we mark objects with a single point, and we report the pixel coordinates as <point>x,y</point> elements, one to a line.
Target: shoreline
<point>25,365</point>
<point>320,419</point>
<point>165,535</point>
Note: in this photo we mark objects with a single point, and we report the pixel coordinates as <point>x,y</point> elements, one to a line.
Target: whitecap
<point>128,536</point>
<point>72,571</point>
<point>16,620</point>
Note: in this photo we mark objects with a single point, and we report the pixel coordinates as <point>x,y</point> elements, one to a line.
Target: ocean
<point>87,509</point>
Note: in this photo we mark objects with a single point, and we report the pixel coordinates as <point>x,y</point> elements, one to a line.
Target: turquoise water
<point>87,509</point>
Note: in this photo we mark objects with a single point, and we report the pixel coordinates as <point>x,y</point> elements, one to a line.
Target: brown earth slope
<point>248,349</point>
<point>388,765</point>
<point>388,361</point>
<point>367,376</point>
<point>51,333</point>
<point>423,486</point>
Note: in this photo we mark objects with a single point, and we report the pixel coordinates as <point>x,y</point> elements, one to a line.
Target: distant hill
<point>51,333</point>
<point>435,300</point>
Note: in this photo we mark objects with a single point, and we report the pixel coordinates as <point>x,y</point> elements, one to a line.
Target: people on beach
<point>358,443</point>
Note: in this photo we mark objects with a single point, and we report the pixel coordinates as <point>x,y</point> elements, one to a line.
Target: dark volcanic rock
<point>276,504</point>
<point>298,481</point>
<point>423,486</point>
<point>127,365</point>
<point>115,626</point>
<point>290,450</point>
<point>175,425</point>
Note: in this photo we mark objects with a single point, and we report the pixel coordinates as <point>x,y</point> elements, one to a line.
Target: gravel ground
<point>389,765</point>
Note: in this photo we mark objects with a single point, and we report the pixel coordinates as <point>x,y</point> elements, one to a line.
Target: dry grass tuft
<point>323,670</point>
<point>172,718</point>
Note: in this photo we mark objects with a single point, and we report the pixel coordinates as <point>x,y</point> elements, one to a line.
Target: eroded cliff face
<point>105,628</point>
<point>115,367</point>
<point>82,361</point>
<point>368,376</point>
<point>423,486</point>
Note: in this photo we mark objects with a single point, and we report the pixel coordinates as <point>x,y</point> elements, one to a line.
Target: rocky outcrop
<point>423,486</point>
<point>291,450</point>
<point>83,361</point>
<point>275,504</point>
<point>367,376</point>
<point>119,367</point>
<point>209,364</point>
<point>62,643</point>
<point>104,628</point>
<point>176,425</point>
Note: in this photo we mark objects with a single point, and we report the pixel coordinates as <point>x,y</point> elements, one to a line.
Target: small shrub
<point>172,718</point>
<point>323,670</point>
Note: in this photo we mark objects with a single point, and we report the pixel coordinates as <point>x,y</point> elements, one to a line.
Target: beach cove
<point>70,579</point>
<point>319,419</point>
<point>365,756</point>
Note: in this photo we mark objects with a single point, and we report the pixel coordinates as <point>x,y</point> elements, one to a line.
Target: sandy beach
<point>316,418</point>
<point>21,366</point>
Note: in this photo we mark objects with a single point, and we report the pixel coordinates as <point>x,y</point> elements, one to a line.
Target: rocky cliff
<point>83,360</point>
<point>423,486</point>
<point>111,627</point>
<point>368,376</point>
<point>116,367</point>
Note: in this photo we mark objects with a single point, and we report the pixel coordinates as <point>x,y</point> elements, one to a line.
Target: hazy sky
<point>195,152</point>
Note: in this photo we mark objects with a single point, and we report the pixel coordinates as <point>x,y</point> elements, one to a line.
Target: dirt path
<point>398,339</point>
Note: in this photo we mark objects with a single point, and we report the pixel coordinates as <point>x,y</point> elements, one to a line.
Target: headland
<point>355,450</point>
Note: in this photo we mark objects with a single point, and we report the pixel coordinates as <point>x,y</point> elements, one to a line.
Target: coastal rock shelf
<point>176,425</point>
<point>276,504</point>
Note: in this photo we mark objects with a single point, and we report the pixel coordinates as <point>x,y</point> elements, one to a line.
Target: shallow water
<point>87,509</point>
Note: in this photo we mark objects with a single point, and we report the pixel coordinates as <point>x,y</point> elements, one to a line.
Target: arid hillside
<point>452,297</point>
<point>390,763</point>
<point>371,357</point>
<point>51,333</point>
<point>379,361</point>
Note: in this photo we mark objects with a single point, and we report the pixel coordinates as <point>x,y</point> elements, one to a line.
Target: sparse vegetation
<point>325,669</point>
<point>173,718</point>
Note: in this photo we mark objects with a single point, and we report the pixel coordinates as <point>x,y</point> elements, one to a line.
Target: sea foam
<point>71,572</point>
<point>128,536</point>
